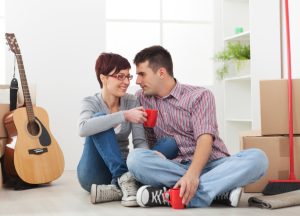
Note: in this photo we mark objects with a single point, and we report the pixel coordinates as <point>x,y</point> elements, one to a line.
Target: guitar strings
<point>15,61</point>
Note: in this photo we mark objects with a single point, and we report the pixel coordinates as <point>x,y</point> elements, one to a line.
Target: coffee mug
<point>151,118</point>
<point>174,198</point>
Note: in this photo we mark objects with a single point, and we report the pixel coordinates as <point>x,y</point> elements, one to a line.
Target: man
<point>203,168</point>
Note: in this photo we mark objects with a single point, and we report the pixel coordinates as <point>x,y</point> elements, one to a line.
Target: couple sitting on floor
<point>183,150</point>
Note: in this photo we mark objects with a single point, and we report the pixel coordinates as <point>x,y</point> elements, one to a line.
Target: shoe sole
<point>139,196</point>
<point>235,202</point>
<point>93,193</point>
<point>132,203</point>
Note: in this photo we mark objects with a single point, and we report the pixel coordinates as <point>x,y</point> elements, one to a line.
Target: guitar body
<point>38,158</point>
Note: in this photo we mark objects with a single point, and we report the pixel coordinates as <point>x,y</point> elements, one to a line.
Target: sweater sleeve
<point>91,121</point>
<point>138,133</point>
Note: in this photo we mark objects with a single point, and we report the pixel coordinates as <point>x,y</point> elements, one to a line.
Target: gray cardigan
<point>89,125</point>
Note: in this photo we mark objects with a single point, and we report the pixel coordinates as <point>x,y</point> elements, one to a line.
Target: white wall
<point>265,49</point>
<point>59,41</point>
<point>294,8</point>
<point>218,88</point>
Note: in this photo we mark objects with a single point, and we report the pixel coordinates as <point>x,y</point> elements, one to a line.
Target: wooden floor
<point>65,197</point>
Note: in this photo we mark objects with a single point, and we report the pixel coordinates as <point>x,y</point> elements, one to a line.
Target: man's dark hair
<point>157,57</point>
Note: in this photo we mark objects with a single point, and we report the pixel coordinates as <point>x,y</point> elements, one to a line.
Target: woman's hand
<point>136,115</point>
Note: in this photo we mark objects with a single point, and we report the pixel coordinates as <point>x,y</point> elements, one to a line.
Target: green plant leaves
<point>233,52</point>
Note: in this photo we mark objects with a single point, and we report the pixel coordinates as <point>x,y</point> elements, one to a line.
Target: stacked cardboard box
<point>273,138</point>
<point>1,179</point>
<point>274,107</point>
<point>2,148</point>
<point>4,108</point>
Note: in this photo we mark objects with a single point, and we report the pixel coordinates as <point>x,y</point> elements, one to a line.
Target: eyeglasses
<point>121,76</point>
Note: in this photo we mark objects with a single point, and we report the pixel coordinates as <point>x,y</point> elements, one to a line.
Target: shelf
<point>237,104</point>
<point>233,132</point>
<point>244,36</point>
<point>239,120</point>
<point>237,78</point>
<point>237,115</point>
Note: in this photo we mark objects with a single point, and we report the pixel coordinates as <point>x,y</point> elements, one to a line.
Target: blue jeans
<point>102,163</point>
<point>217,177</point>
<point>167,146</point>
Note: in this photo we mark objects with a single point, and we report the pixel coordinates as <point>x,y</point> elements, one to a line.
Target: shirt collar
<point>175,92</point>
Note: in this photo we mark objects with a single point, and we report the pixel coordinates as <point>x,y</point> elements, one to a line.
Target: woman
<point>106,120</point>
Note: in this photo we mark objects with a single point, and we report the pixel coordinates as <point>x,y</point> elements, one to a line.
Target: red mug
<point>174,198</point>
<point>151,118</point>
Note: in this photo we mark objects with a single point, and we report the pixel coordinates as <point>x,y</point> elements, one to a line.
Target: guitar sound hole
<point>33,128</point>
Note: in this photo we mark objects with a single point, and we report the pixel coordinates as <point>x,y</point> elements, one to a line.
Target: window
<point>184,27</point>
<point>2,42</point>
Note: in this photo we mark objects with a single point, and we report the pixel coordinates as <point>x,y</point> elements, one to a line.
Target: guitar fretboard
<point>27,99</point>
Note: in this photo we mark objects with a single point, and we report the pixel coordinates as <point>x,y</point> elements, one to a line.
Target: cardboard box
<point>277,150</point>
<point>3,143</point>
<point>274,106</point>
<point>5,100</point>
<point>1,177</point>
<point>4,108</point>
<point>2,146</point>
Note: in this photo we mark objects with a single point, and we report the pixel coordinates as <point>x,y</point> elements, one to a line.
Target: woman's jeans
<point>102,163</point>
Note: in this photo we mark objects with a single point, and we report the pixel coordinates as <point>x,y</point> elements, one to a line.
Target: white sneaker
<point>230,198</point>
<point>105,193</point>
<point>129,188</point>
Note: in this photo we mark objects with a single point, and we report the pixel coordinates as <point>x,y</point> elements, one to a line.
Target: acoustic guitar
<point>37,157</point>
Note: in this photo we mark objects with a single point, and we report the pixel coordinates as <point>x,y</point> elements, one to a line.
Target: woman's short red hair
<point>107,62</point>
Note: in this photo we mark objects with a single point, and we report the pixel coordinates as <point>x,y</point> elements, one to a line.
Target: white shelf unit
<point>237,110</point>
<point>237,86</point>
<point>241,37</point>
<point>237,78</point>
<point>237,92</point>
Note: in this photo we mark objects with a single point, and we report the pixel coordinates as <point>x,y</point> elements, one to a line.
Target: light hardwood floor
<point>65,197</point>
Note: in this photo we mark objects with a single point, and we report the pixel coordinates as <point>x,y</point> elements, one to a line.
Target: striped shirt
<point>185,114</point>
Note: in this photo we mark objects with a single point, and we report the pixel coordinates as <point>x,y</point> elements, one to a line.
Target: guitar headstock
<point>12,43</point>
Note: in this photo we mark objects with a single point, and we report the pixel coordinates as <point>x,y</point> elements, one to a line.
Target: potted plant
<point>234,53</point>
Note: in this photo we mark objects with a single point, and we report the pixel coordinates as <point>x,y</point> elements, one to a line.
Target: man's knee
<point>259,161</point>
<point>135,159</point>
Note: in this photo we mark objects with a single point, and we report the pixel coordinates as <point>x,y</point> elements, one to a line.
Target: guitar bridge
<point>38,151</point>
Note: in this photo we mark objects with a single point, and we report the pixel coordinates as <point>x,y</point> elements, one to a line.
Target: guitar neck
<point>25,88</point>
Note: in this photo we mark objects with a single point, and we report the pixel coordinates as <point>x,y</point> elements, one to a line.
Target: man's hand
<point>188,185</point>
<point>190,181</point>
<point>136,115</point>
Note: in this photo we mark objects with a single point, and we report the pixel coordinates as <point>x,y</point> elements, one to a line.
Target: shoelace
<point>223,196</point>
<point>130,188</point>
<point>107,194</point>
<point>157,196</point>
